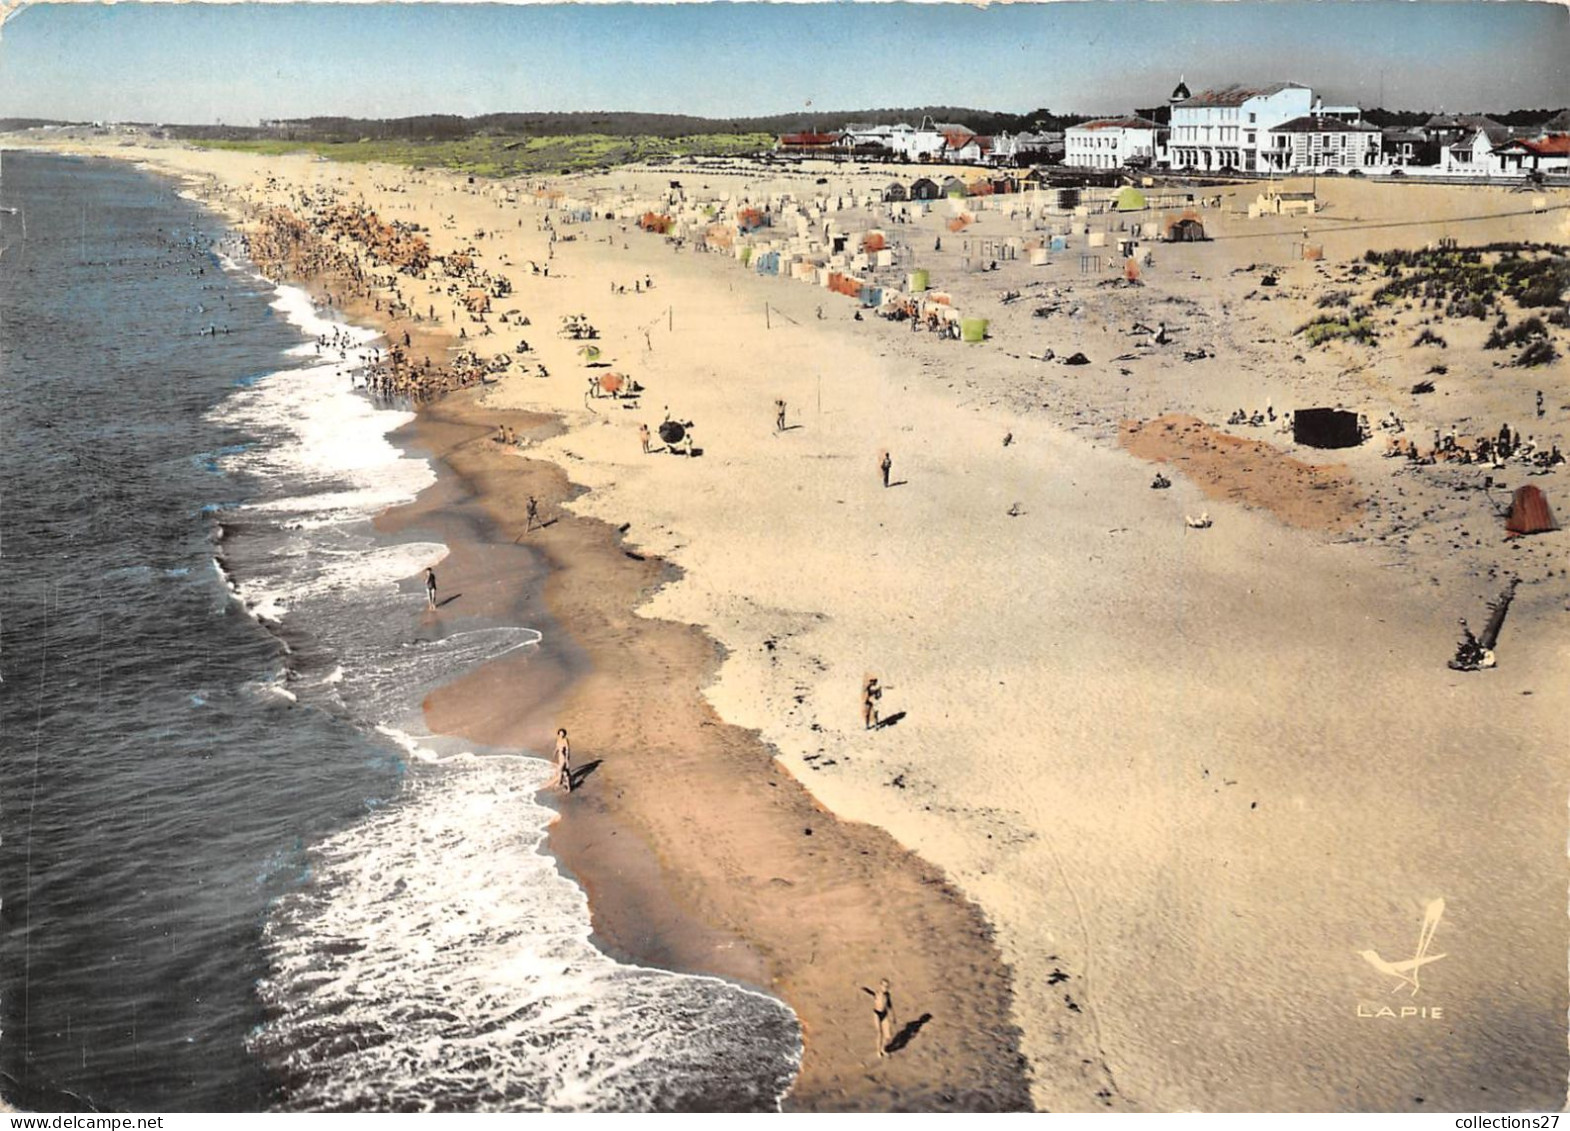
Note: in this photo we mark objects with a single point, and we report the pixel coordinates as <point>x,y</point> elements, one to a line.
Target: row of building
<point>1279,128</point>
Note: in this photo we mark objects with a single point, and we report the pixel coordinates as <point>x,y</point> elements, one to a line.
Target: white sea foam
<point>439,961</point>
<point>436,958</point>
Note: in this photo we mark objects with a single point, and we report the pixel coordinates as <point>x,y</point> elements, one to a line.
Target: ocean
<point>235,872</point>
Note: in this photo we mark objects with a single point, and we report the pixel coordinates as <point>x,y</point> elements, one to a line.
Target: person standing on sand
<point>643,437</point>
<point>883,1015</point>
<point>870,694</point>
<point>533,513</point>
<point>563,760</point>
<point>430,588</point>
<point>779,416</point>
<point>886,465</point>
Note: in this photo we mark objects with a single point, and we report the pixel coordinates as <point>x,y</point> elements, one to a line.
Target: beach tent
<point>1325,428</point>
<point>1530,513</point>
<point>1129,199</point>
<point>1187,228</point>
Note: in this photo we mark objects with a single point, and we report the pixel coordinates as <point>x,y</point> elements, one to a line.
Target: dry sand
<point>1186,775</point>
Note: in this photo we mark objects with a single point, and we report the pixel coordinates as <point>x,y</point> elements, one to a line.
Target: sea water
<point>234,871</point>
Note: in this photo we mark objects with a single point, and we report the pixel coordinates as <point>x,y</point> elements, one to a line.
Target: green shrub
<point>1538,353</point>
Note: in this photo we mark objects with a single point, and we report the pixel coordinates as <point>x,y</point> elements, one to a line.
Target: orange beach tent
<point>1530,513</point>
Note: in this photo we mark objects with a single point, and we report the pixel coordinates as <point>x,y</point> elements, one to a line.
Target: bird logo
<point>1406,971</point>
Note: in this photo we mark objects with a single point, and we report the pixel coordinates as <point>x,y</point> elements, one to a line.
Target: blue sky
<point>241,62</point>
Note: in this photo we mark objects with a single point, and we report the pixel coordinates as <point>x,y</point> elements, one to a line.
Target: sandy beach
<point>1143,791</point>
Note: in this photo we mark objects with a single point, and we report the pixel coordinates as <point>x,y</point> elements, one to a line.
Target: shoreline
<point>608,851</point>
<point>627,882</point>
<point>1110,767</point>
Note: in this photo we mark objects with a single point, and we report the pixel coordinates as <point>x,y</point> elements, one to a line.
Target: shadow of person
<point>442,604</point>
<point>908,1033</point>
<point>581,773</point>
<point>899,482</point>
<point>890,721</point>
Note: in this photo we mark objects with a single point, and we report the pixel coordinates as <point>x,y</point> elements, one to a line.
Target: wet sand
<point>699,853</point>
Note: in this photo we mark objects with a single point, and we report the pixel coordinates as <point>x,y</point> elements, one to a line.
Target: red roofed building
<point>1547,154</point>
<point>807,143</point>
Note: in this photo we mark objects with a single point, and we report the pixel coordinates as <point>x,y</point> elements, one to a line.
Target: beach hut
<point>1129,199</point>
<point>954,187</point>
<point>924,188</point>
<point>1530,513</point>
<point>1325,428</point>
<point>895,193</point>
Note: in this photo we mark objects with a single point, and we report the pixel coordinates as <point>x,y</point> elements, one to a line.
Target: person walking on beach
<point>870,694</point>
<point>563,760</point>
<point>883,1015</point>
<point>430,588</point>
<point>886,465</point>
<point>643,436</point>
<point>533,513</point>
<point>779,416</point>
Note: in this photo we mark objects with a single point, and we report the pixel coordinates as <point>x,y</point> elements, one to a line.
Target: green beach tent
<point>1129,199</point>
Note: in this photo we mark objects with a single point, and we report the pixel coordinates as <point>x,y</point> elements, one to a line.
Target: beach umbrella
<point>589,353</point>
<point>672,432</point>
<point>612,383</point>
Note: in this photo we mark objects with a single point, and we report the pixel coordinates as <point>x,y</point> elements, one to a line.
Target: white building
<point>1229,128</point>
<point>1110,143</point>
<point>895,139</point>
<point>1473,153</point>
<point>1316,142</point>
